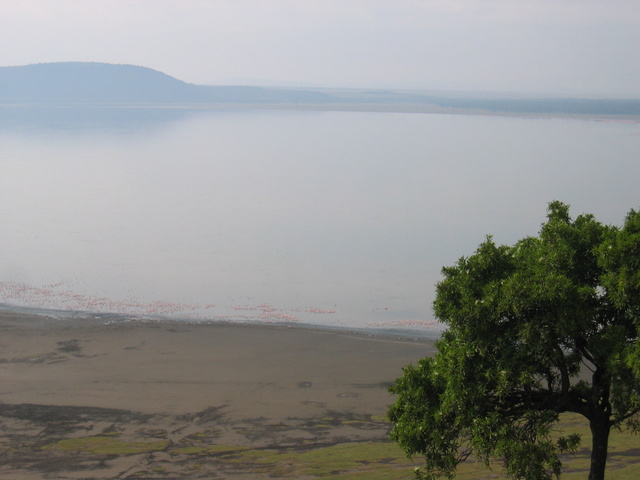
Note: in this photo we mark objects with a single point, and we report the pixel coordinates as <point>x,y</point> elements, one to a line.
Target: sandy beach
<point>89,398</point>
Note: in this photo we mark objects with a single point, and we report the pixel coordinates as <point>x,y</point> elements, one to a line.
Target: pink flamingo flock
<point>58,296</point>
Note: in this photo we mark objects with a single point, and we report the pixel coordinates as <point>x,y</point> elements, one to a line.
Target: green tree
<point>546,326</point>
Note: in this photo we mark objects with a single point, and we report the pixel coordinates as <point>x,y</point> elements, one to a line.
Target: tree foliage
<point>546,326</point>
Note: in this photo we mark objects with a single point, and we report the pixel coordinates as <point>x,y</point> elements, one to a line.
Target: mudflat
<point>94,398</point>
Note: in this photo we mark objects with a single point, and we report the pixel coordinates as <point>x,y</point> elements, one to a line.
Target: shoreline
<point>66,361</point>
<point>98,318</point>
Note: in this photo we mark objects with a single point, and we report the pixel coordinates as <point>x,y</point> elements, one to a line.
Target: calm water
<point>329,218</point>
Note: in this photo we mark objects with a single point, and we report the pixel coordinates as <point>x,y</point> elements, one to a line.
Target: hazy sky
<point>565,46</point>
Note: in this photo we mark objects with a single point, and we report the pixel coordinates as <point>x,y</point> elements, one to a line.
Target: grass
<point>207,449</point>
<point>106,445</point>
<point>381,460</point>
<point>371,460</point>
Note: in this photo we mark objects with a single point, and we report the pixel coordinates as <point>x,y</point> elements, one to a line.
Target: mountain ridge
<point>95,83</point>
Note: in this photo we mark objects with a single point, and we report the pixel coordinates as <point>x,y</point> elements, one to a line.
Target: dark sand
<point>185,387</point>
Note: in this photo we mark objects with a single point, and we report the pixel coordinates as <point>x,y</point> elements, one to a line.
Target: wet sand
<point>66,385</point>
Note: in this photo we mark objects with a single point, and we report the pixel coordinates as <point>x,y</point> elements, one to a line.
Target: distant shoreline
<point>95,83</point>
<point>417,108</point>
<point>437,110</point>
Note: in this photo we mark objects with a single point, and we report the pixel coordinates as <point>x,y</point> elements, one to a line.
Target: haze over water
<point>328,218</point>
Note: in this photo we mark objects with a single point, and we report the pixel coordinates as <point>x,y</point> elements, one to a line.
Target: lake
<point>327,218</point>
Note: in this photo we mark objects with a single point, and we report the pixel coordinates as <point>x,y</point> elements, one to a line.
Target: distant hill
<point>81,83</point>
<point>102,83</point>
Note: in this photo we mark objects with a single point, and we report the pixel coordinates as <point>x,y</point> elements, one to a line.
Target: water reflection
<point>33,119</point>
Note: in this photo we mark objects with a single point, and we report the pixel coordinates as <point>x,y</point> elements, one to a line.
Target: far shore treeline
<point>91,84</point>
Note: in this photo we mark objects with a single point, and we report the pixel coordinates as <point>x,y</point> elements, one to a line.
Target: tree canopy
<point>546,326</point>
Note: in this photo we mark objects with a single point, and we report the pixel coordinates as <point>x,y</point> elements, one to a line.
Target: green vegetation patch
<point>385,459</point>
<point>208,449</point>
<point>380,460</point>
<point>106,445</point>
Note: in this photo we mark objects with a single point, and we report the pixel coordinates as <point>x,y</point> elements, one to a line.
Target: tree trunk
<point>599,447</point>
